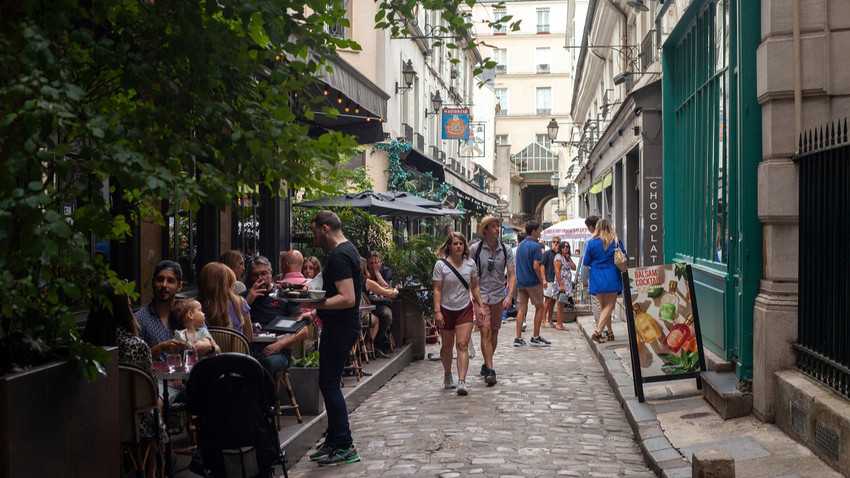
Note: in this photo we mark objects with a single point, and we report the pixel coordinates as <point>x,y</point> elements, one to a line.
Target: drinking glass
<point>174,361</point>
<point>190,355</point>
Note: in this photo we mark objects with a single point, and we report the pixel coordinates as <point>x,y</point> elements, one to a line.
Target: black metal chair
<point>232,400</point>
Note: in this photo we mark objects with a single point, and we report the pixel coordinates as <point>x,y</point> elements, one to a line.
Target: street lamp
<point>554,179</point>
<point>436,104</point>
<point>409,75</point>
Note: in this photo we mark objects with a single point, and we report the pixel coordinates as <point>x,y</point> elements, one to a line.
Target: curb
<point>661,457</point>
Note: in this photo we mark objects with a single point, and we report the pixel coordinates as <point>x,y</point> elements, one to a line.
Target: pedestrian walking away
<point>564,266</point>
<point>455,276</point>
<point>550,293</point>
<point>605,279</point>
<point>340,315</point>
<point>497,283</point>
<point>530,284</point>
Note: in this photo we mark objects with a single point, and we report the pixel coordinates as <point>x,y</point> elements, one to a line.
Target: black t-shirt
<point>265,309</point>
<point>548,264</point>
<point>343,262</point>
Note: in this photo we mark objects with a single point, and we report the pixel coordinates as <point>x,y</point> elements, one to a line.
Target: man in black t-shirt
<point>340,314</point>
<point>551,292</point>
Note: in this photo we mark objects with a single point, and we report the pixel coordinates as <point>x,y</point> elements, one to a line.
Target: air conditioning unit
<point>543,68</point>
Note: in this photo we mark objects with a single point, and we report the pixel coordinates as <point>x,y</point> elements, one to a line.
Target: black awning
<point>424,164</point>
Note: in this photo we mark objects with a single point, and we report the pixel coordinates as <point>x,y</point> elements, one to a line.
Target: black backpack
<point>478,254</point>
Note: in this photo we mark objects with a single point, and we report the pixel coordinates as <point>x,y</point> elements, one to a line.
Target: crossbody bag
<point>460,277</point>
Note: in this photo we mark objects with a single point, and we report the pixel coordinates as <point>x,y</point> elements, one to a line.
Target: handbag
<point>620,259</point>
<point>562,298</point>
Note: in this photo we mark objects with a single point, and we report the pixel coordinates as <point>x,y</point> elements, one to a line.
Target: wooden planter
<point>305,386</point>
<point>54,422</point>
<point>408,325</point>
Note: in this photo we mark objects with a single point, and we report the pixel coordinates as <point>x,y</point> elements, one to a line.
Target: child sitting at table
<point>188,313</point>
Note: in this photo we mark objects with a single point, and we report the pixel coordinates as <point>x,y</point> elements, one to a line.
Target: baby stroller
<point>232,401</point>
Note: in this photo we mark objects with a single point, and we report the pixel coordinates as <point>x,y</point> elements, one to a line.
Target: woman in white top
<point>454,277</point>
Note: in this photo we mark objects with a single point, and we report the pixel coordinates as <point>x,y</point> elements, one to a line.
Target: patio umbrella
<point>373,204</point>
<point>569,229</point>
<point>410,198</point>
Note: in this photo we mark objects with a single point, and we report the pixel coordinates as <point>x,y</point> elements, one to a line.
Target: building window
<point>542,20</point>
<point>502,100</point>
<point>500,56</point>
<point>339,30</point>
<point>543,140</point>
<point>500,29</point>
<point>543,59</point>
<point>502,139</point>
<point>543,100</point>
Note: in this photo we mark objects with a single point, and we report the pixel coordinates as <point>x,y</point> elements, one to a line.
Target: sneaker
<point>483,370</point>
<point>518,342</point>
<point>471,350</point>
<point>461,388</point>
<point>490,378</point>
<point>540,342</point>
<point>340,455</point>
<point>449,382</point>
<point>323,451</point>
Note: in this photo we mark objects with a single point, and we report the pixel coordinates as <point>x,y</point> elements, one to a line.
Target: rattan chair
<point>230,340</point>
<point>137,393</point>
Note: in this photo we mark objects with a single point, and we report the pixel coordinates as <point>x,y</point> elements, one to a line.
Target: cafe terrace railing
<point>823,343</point>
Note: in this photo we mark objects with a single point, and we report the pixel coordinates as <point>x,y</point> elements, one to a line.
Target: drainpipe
<point>624,40</point>
<point>798,77</point>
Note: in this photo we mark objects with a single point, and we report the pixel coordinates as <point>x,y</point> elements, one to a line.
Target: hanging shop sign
<point>664,332</point>
<point>474,147</point>
<point>455,123</point>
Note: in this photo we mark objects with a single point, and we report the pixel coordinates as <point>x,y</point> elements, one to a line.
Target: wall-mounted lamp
<point>552,133</point>
<point>638,5</point>
<point>409,75</point>
<point>554,179</point>
<point>436,104</point>
<point>621,78</point>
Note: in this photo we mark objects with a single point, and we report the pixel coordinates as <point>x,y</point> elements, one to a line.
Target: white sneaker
<point>461,388</point>
<point>471,349</point>
<point>449,382</point>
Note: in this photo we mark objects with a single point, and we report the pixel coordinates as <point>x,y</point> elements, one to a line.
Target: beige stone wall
<point>825,91</point>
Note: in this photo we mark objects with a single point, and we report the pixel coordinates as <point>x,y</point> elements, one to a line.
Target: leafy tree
<point>109,108</point>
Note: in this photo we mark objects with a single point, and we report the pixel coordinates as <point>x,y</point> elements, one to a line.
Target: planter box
<point>408,325</point>
<point>53,422</point>
<point>305,386</point>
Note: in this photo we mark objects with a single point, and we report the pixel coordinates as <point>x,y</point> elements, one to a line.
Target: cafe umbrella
<point>373,203</point>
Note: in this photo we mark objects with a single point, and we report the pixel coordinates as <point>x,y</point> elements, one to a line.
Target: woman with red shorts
<point>454,277</point>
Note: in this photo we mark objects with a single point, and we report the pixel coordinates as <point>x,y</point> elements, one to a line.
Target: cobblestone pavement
<point>551,414</point>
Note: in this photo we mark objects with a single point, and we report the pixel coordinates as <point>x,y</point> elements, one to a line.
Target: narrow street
<point>551,413</point>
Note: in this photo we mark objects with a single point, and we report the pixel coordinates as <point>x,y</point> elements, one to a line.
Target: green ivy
<point>403,181</point>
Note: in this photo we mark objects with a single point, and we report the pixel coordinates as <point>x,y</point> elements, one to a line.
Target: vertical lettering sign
<point>664,334</point>
<point>455,123</point>
<point>652,224</point>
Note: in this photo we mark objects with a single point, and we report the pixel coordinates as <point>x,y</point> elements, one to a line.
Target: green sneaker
<point>323,451</point>
<point>340,455</point>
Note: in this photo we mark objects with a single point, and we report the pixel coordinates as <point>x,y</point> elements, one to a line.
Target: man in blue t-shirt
<point>530,284</point>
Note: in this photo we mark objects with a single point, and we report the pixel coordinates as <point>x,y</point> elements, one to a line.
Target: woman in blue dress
<point>605,280</point>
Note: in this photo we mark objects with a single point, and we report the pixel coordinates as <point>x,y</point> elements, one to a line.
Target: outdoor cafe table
<point>165,372</point>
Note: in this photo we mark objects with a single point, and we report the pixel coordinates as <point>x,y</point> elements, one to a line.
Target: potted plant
<point>304,376</point>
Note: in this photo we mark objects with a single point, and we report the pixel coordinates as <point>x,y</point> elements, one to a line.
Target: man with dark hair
<point>154,326</point>
<point>530,284</point>
<point>276,356</point>
<point>383,275</point>
<point>550,293</point>
<point>340,314</point>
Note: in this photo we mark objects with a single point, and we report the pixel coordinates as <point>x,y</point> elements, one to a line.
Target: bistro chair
<point>282,378</point>
<point>137,393</point>
<point>230,340</point>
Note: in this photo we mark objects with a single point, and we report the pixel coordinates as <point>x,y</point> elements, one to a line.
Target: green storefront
<point>712,148</point>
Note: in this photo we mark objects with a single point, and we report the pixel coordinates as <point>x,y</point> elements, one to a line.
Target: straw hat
<point>485,221</point>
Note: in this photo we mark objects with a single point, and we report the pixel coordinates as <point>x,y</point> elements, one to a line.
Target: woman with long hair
<point>312,271</point>
<point>221,305</point>
<point>119,327</point>
<point>454,276</point>
<point>605,279</point>
<point>236,262</point>
<point>564,279</point>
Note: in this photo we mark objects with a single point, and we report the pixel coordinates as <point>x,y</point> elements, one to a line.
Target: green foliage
<point>365,231</point>
<point>413,266</point>
<point>108,109</point>
<point>402,180</point>
<point>311,360</point>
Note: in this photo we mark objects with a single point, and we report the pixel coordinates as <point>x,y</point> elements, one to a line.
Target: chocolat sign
<point>664,335</point>
<point>455,123</point>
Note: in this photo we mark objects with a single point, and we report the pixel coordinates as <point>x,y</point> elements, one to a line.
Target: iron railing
<point>823,342</point>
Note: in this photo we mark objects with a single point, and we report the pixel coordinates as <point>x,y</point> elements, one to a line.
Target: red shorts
<point>491,315</point>
<point>453,318</point>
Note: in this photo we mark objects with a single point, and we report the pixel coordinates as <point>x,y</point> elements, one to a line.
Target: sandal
<point>560,327</point>
<point>596,337</point>
<point>610,335</point>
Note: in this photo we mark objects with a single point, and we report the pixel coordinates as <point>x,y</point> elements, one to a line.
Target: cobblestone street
<point>552,413</point>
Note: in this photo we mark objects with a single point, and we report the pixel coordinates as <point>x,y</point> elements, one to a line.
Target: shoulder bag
<point>620,259</point>
<point>462,281</point>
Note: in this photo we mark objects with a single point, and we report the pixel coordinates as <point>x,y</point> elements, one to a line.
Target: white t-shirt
<point>454,295</point>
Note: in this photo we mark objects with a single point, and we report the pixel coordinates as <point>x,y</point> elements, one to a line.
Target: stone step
<point>719,389</point>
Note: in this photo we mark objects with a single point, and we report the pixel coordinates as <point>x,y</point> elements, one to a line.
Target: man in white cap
<point>493,258</point>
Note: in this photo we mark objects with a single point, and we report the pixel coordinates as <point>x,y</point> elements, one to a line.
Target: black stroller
<point>232,401</point>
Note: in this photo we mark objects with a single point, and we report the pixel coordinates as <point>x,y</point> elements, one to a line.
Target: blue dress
<point>604,275</point>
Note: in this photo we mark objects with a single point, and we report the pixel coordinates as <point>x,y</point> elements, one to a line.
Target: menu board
<point>664,334</point>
